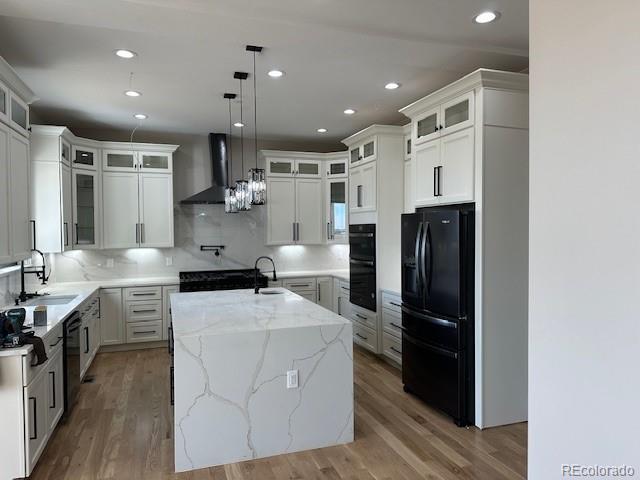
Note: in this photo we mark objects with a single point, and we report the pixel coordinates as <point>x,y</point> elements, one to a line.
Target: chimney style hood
<point>219,166</point>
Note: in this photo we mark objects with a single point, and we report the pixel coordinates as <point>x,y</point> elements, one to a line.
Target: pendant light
<point>257,183</point>
<point>242,186</point>
<point>230,200</point>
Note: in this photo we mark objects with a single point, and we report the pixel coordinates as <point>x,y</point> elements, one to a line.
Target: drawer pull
<point>394,349</point>
<point>145,311</point>
<point>300,285</point>
<point>54,344</point>
<point>395,325</point>
<point>143,294</point>
<point>142,332</point>
<point>362,317</point>
<point>361,336</point>
<point>395,304</point>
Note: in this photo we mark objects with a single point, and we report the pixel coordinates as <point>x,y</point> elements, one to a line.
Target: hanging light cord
<point>229,173</point>
<point>255,109</point>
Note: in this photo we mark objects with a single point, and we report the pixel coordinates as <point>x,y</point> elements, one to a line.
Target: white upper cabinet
<point>5,210</point>
<point>337,215</point>
<point>67,205</point>
<point>409,187</point>
<point>456,173</point>
<point>120,210</point>
<point>449,117</point>
<point>156,210</point>
<point>280,166</point>
<point>363,152</point>
<point>155,162</point>
<point>20,225</point>
<point>119,161</point>
<point>18,114</point>
<point>424,180</point>
<point>362,181</point>
<point>337,168</point>
<point>281,211</point>
<point>86,214</point>
<point>84,157</point>
<point>309,211</point>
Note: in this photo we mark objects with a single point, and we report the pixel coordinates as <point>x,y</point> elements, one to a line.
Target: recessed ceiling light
<point>486,17</point>
<point>238,124</point>
<point>392,86</point>
<point>349,111</point>
<point>322,130</point>
<point>275,73</point>
<point>125,53</point>
<point>132,93</point>
<point>140,116</point>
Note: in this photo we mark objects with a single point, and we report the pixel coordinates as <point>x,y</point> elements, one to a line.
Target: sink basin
<point>270,291</point>
<point>51,300</point>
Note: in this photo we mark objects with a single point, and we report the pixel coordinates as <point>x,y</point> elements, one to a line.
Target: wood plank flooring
<point>122,428</point>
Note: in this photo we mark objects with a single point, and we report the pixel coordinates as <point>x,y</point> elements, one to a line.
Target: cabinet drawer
<point>53,340</point>
<point>143,311</point>
<point>144,331</point>
<point>392,322</point>
<point>295,284</point>
<point>30,372</point>
<point>392,348</point>
<point>391,302</point>
<point>365,337</point>
<point>143,293</point>
<point>364,317</point>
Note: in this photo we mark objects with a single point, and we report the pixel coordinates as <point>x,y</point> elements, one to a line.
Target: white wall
<point>584,334</point>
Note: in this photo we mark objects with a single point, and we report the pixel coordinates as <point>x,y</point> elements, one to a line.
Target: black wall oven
<point>362,265</point>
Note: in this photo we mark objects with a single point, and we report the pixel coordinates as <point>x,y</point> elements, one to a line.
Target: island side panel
<point>231,400</point>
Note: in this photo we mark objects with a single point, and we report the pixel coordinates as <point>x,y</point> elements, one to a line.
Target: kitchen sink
<point>50,300</point>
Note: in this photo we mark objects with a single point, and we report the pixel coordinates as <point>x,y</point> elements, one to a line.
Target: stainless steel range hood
<point>218,148</point>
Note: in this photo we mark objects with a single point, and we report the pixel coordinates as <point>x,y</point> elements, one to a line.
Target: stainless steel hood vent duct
<point>219,149</point>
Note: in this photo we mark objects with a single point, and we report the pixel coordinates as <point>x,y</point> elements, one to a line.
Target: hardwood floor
<point>121,429</point>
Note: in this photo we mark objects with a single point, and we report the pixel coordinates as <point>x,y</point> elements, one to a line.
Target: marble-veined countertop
<point>236,311</point>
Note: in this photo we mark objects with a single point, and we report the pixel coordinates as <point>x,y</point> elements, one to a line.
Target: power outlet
<point>292,379</point>
<point>110,263</point>
<point>168,261</point>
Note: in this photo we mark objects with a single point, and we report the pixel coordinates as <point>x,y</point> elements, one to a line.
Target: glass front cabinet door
<point>457,114</point>
<point>19,113</point>
<point>85,209</point>
<point>157,162</point>
<point>280,167</point>
<point>84,157</point>
<point>337,168</point>
<point>308,168</point>
<point>4,102</point>
<point>337,211</point>
<point>119,160</point>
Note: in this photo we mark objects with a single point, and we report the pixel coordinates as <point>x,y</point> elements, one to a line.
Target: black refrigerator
<point>437,308</point>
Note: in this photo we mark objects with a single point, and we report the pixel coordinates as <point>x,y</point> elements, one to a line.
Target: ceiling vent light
<point>349,111</point>
<point>132,93</point>
<point>122,53</point>
<point>322,130</point>
<point>238,124</point>
<point>140,116</point>
<point>275,73</point>
<point>392,86</point>
<point>486,17</point>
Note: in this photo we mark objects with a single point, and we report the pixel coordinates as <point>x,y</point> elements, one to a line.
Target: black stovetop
<point>204,280</point>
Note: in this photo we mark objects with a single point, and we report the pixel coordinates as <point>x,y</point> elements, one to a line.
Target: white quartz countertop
<point>236,311</point>
<point>341,274</point>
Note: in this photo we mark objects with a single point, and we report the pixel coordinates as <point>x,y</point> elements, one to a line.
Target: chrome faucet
<point>255,273</point>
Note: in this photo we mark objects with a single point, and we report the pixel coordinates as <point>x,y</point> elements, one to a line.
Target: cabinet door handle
<point>145,311</point>
<point>394,304</point>
<point>441,127</point>
<point>439,184</point>
<point>328,230</point>
<point>361,336</point>
<point>362,317</point>
<point>137,233</point>
<point>294,231</point>
<point>394,349</point>
<point>51,345</point>
<point>393,324</point>
<point>66,234</point>
<point>142,235</point>
<point>86,339</point>
<point>359,195</point>
<point>75,225</point>
<point>297,232</point>
<point>145,294</point>
<point>53,385</point>
<point>33,240</point>
<point>35,418</point>
<point>142,332</point>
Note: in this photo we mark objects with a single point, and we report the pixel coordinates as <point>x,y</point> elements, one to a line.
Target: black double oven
<point>362,265</point>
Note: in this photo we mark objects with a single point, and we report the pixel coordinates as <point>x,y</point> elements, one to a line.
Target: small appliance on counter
<point>438,307</point>
<point>362,266</point>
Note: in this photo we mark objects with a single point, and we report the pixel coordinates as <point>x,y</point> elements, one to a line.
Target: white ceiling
<point>336,54</point>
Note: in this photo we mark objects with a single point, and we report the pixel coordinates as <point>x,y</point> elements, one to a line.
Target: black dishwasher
<point>71,360</point>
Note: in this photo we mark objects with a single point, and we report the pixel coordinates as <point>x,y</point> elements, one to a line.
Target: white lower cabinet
<point>112,318</point>
<point>149,331</point>
<point>392,347</point>
<point>36,403</point>
<point>166,308</point>
<point>55,405</point>
<point>89,333</point>
<point>325,292</point>
<point>392,326</point>
<point>365,337</point>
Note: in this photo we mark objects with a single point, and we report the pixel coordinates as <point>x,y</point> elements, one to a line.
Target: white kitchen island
<point>232,352</point>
